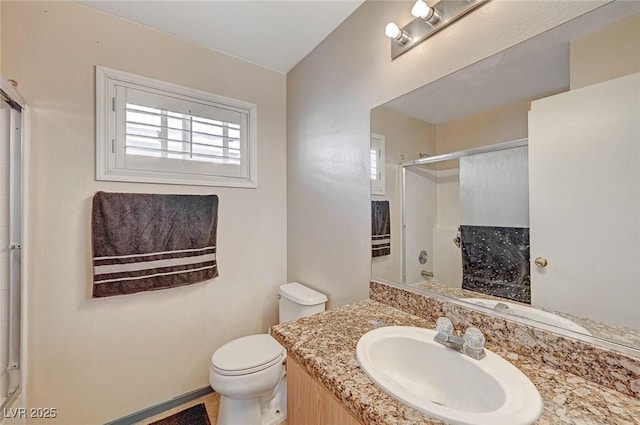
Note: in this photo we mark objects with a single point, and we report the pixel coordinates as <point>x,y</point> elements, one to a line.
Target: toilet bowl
<point>249,372</point>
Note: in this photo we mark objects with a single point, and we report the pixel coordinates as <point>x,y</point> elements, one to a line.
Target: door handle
<point>541,262</point>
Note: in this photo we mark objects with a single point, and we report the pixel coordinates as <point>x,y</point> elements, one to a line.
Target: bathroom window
<point>377,164</point>
<point>156,132</point>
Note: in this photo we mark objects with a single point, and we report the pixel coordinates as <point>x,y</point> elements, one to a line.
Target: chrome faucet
<point>426,274</point>
<point>445,336</point>
<point>472,344</point>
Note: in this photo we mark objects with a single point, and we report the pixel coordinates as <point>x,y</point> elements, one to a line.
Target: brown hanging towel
<point>145,242</point>
<point>380,229</point>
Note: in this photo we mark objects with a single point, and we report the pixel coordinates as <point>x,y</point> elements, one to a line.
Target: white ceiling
<point>528,71</point>
<point>274,34</point>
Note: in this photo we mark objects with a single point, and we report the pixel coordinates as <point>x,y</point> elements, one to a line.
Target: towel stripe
<point>146,272</point>
<point>381,242</point>
<point>152,275</point>
<point>108,262</point>
<point>143,265</point>
<point>154,253</point>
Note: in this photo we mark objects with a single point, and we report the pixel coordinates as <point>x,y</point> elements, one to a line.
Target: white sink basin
<point>531,313</point>
<point>445,384</point>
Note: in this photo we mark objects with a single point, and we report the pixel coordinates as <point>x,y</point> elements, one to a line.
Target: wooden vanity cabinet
<point>310,403</point>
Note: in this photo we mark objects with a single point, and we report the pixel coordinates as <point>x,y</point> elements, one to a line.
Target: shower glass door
<point>10,246</point>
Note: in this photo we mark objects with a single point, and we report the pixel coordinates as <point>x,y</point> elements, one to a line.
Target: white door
<point>584,169</point>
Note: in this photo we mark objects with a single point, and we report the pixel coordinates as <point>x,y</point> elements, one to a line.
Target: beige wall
<point>97,360</point>
<point>503,124</point>
<point>405,138</point>
<point>329,96</point>
<point>1,38</point>
<point>606,54</point>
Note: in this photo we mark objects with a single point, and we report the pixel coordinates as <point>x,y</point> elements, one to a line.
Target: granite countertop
<point>619,334</point>
<point>325,345</point>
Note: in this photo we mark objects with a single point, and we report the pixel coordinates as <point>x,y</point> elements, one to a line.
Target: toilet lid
<point>248,354</point>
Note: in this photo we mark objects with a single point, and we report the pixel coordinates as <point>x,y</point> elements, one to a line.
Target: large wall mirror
<point>514,184</point>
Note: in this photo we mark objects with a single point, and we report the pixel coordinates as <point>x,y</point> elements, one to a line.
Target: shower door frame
<point>424,160</point>
<point>18,173</point>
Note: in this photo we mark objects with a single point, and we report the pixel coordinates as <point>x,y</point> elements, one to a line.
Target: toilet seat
<point>246,355</point>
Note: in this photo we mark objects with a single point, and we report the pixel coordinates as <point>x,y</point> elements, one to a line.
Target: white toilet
<point>249,372</point>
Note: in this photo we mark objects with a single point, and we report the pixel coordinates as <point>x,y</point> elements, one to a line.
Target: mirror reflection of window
<point>377,164</point>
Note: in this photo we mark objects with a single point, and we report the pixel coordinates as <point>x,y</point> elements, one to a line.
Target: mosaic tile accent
<point>324,344</point>
<point>495,261</point>
<point>601,366</point>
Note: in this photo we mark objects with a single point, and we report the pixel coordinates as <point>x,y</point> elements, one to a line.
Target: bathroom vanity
<point>322,365</point>
<point>309,402</point>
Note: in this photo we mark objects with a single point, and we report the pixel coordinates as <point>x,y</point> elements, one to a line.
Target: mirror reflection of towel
<point>144,242</point>
<point>380,229</point>
<point>495,261</point>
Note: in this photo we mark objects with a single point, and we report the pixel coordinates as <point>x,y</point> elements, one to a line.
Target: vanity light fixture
<point>428,21</point>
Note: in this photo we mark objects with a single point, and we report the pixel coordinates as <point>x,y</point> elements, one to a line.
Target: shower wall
<point>494,189</point>
<point>431,220</point>
<point>447,262</point>
<point>420,221</point>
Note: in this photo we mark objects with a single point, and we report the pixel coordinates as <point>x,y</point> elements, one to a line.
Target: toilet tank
<point>297,300</point>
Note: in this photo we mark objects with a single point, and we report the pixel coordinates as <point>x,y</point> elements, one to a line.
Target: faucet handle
<point>474,339</point>
<point>444,326</point>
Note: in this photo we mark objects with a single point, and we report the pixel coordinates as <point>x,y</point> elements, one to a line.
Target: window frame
<point>110,152</point>
<point>378,186</point>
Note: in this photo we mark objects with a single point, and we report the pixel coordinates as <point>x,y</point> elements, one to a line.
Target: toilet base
<point>273,417</point>
<point>270,410</point>
<point>234,411</point>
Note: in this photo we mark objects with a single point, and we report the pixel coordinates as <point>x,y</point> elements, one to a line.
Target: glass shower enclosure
<point>11,194</point>
<point>465,221</point>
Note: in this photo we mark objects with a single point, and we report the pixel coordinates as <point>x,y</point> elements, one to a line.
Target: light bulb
<point>392,31</point>
<point>421,10</point>
<point>395,33</point>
